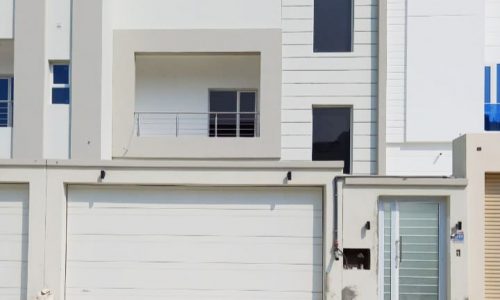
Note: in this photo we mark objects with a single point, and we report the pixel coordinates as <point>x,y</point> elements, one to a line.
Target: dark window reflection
<point>247,120</point>
<point>225,118</point>
<point>332,135</point>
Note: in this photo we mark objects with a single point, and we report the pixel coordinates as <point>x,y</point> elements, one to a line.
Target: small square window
<point>60,95</point>
<point>60,86</point>
<point>61,74</point>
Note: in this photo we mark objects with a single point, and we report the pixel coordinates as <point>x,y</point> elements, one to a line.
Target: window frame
<point>59,85</point>
<point>238,99</point>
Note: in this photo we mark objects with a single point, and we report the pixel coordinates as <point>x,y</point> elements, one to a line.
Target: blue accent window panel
<point>498,83</point>
<point>487,84</point>
<point>4,104</point>
<point>492,117</point>
<point>60,95</point>
<point>61,74</point>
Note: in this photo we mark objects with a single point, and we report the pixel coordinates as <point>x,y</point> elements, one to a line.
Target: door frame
<point>443,245</point>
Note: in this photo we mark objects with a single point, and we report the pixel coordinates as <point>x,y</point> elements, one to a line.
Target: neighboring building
<point>235,149</point>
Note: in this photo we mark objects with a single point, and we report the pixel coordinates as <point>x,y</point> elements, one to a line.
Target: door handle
<point>400,249</point>
<point>398,253</point>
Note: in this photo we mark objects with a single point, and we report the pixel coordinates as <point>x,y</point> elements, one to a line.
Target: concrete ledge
<point>334,166</point>
<point>406,181</point>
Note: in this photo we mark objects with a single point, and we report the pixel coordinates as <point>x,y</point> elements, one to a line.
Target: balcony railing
<point>6,108</point>
<point>211,124</point>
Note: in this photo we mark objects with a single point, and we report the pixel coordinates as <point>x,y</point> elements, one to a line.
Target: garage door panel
<point>179,294</point>
<point>272,277</point>
<point>13,241</point>
<point>203,197</point>
<point>213,225</point>
<point>179,249</point>
<point>163,241</point>
<point>13,248</point>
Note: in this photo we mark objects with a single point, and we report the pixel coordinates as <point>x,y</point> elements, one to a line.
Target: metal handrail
<point>212,124</point>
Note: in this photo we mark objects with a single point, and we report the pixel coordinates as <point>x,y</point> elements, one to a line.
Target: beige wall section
<point>34,178</point>
<point>129,42</point>
<point>30,74</point>
<point>86,79</point>
<point>48,201</point>
<point>366,193</point>
<point>474,155</point>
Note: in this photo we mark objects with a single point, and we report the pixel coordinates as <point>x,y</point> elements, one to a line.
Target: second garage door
<point>194,243</point>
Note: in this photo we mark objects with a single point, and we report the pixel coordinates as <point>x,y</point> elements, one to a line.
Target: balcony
<point>197,94</point>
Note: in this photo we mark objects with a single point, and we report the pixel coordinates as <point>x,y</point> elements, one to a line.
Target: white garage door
<point>194,243</point>
<point>13,241</point>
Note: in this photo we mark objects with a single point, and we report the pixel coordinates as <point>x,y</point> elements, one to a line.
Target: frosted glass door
<point>411,251</point>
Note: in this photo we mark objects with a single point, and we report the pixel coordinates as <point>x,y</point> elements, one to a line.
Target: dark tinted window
<point>61,74</point>
<point>222,121</point>
<point>4,89</point>
<point>4,105</point>
<point>333,25</point>
<point>247,114</point>
<point>60,95</point>
<point>332,135</point>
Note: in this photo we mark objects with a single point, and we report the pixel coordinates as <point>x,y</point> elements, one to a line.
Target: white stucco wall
<point>492,25</point>
<point>56,139</point>
<point>181,83</point>
<point>186,14</point>
<point>6,19</point>
<point>434,84</point>
<point>58,29</point>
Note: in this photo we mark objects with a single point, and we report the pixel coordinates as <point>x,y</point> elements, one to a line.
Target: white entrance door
<point>186,243</point>
<point>412,249</point>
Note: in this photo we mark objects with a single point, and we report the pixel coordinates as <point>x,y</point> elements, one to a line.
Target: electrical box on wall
<point>356,259</point>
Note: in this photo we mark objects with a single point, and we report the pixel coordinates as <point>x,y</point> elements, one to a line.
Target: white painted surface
<point>6,19</point>
<point>199,14</point>
<point>13,241</point>
<point>194,243</point>
<point>58,29</point>
<point>107,77</point>
<point>6,57</point>
<point>445,68</point>
<point>342,79</point>
<point>56,140</point>
<point>419,159</point>
<point>492,38</point>
<point>181,83</point>
<point>396,71</point>
<point>5,142</point>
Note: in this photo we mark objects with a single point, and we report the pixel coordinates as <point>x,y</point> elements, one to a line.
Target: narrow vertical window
<point>332,135</point>
<point>60,83</point>
<point>487,84</point>
<point>6,96</point>
<point>333,21</point>
<point>498,83</point>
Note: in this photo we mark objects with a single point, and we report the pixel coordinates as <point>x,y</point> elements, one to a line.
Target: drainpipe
<point>336,250</point>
